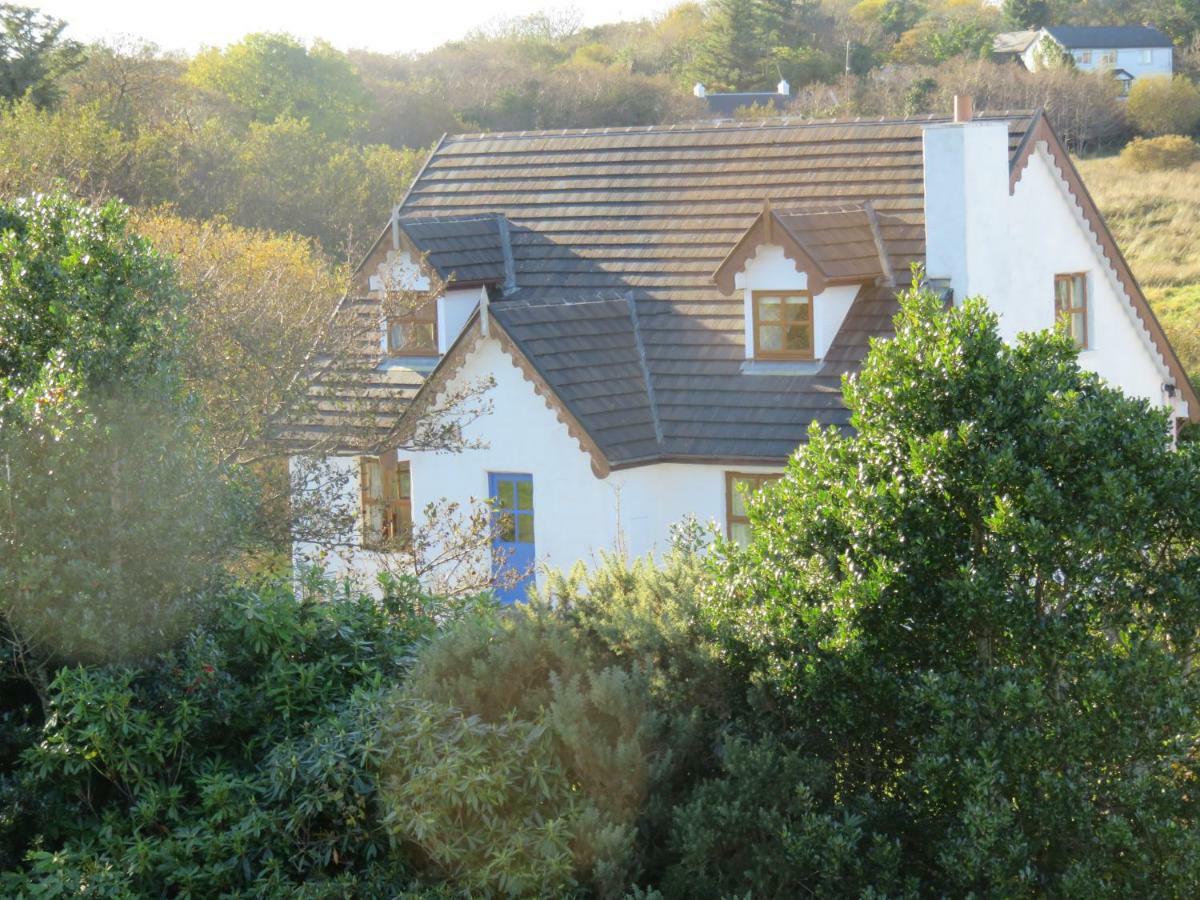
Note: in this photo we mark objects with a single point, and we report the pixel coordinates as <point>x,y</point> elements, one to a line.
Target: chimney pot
<point>963,108</point>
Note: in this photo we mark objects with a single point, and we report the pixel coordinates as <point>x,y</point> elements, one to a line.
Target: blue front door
<point>512,536</point>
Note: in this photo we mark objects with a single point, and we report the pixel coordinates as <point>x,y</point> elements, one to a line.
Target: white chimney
<point>783,87</point>
<point>966,204</point>
<point>698,91</point>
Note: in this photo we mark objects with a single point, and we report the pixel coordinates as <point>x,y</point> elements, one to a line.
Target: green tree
<point>33,54</point>
<point>1027,13</point>
<point>274,76</point>
<point>734,50</point>
<point>969,629</point>
<point>112,519</point>
<point>1163,105</point>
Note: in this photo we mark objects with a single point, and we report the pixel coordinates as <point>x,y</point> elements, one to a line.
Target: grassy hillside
<point>1155,217</point>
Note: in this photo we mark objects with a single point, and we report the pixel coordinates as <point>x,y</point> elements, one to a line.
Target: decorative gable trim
<point>456,358</point>
<point>1042,138</point>
<point>767,229</point>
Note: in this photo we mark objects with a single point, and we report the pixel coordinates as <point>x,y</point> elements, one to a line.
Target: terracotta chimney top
<point>963,111</point>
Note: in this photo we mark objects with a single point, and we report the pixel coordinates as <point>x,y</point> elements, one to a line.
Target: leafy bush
<point>1162,105</point>
<point>1169,151</point>
<point>977,613</point>
<point>224,765</point>
<point>609,669</point>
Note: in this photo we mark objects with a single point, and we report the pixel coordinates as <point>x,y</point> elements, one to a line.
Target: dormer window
<point>783,325</point>
<point>413,333</point>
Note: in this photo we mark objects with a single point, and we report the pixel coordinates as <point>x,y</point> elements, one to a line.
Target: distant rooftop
<point>1108,37</point>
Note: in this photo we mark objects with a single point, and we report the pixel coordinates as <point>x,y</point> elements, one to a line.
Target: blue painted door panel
<point>512,540</point>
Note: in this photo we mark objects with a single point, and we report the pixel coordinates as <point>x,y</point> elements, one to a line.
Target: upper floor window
<point>414,332</point>
<point>1108,58</point>
<point>1084,56</point>
<point>1070,303</point>
<point>783,325</point>
<point>738,487</point>
<point>1145,57</point>
<point>386,487</point>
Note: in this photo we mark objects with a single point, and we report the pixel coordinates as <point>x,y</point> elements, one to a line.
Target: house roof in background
<point>727,105</point>
<point>1014,41</point>
<point>1108,37</point>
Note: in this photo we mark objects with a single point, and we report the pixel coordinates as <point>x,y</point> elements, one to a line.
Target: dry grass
<point>1155,217</point>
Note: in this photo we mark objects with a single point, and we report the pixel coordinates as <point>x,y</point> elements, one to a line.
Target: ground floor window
<point>386,489</point>
<point>738,487</point>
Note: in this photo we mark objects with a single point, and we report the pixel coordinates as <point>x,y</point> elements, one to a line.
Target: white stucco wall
<point>577,516</point>
<point>1161,62</point>
<point>1024,240</point>
<point>454,308</point>
<point>770,270</point>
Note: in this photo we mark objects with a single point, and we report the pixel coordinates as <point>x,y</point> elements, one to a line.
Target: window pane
<point>739,532</point>
<point>768,309</point>
<point>770,338</point>
<point>737,502</point>
<point>1079,327</point>
<point>422,336</point>
<point>404,483</point>
<point>525,529</point>
<point>524,495</point>
<point>504,491</point>
<point>506,527</point>
<point>1077,290</point>
<point>799,337</point>
<point>797,308</point>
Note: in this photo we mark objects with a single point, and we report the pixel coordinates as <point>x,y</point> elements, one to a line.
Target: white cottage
<point>1129,52</point>
<point>665,310</point>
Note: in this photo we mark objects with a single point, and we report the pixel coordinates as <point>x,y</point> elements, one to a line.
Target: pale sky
<point>393,27</point>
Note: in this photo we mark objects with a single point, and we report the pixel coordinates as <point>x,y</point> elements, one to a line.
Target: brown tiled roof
<point>616,234</point>
<point>464,250</point>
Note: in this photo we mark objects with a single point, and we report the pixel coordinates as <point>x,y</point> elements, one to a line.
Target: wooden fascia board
<point>768,229</point>
<point>1042,131</point>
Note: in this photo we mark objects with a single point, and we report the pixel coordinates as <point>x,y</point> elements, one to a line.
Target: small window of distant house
<point>1108,58</point>
<point>1083,56</point>
<point>1145,57</point>
<point>386,487</point>
<point>739,486</point>
<point>783,325</point>
<point>414,333</point>
<point>1071,304</point>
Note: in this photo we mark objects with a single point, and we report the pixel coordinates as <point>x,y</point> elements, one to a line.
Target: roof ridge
<point>774,122</point>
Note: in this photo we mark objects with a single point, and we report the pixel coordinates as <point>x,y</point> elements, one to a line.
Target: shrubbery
<point>955,659</point>
<point>1162,105</point>
<point>1170,151</point>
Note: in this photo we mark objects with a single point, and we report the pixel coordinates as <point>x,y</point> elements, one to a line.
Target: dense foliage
<point>954,658</point>
<point>972,626</point>
<point>244,759</point>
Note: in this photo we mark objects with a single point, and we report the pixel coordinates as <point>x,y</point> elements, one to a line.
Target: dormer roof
<point>841,245</point>
<point>467,250</point>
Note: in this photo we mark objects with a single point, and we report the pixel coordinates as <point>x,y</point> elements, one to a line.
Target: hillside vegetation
<point>1155,217</point>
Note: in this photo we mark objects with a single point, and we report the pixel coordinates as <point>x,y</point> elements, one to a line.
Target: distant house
<point>665,311</point>
<point>1128,51</point>
<point>726,105</point>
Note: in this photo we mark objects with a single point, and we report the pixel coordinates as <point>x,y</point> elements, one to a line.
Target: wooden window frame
<point>757,325</point>
<point>731,479</point>
<point>424,313</point>
<point>1108,57</point>
<point>395,514</point>
<point>1083,343</point>
<point>1084,57</point>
